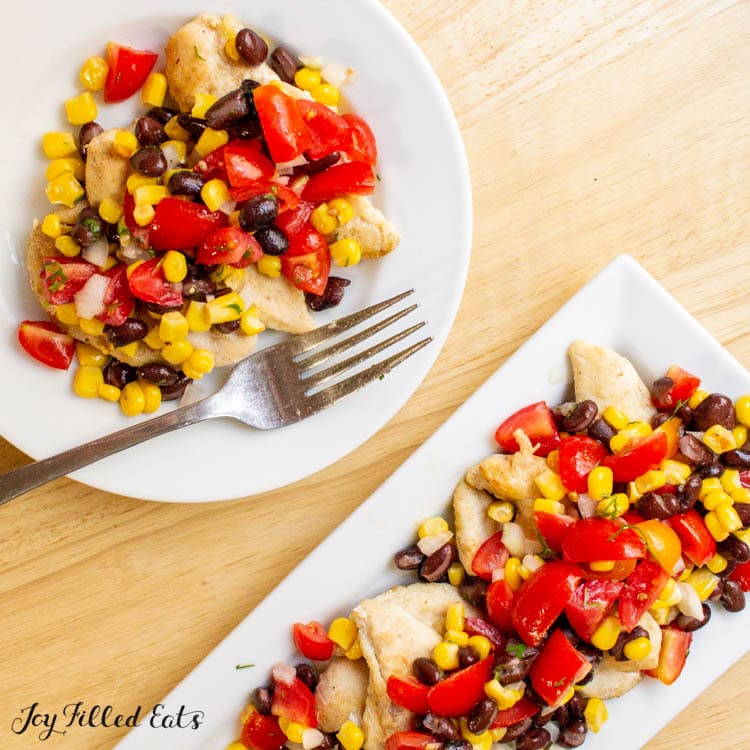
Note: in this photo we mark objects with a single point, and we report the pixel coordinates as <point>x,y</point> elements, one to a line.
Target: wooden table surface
<point>593,127</point>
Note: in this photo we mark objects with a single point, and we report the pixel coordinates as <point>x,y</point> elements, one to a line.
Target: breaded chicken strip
<point>341,691</point>
<point>106,171</point>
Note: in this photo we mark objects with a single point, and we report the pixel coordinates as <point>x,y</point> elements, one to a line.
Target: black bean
<point>89,228</point>
<point>659,419</point>
<point>706,471</point>
<point>716,408</point>
<point>734,549</point>
<point>313,166</point>
<point>251,46</point>
<point>158,309</point>
<point>149,131</point>
<point>658,505</point>
<point>510,669</point>
<point>689,492</point>
<point>576,706</point>
<point>87,133</point>
<point>535,739</point>
<point>733,597</point>
<point>572,734</point>
<point>426,671</point>
<point>131,330</point>
<point>119,374</point>
<point>186,183</point>
<point>694,450</point>
<point>409,558</point>
<point>230,108</point>
<point>194,125</point>
<point>661,387</point>
<point>601,431</point>
<point>159,373</point>
<point>272,240</point>
<point>332,296</point>
<point>581,417</point>
<point>263,700</point>
<point>461,744</point>
<point>308,675</point>
<point>246,128</point>
<point>440,727</point>
<point>467,655</point>
<point>162,114</point>
<point>437,564</point>
<point>197,287</point>
<point>736,459</point>
<point>482,716</point>
<point>516,730</point>
<point>685,413</point>
<point>715,595</point>
<point>284,64</point>
<point>743,511</point>
<point>258,212</point>
<point>474,590</point>
<point>149,161</point>
<point>329,742</point>
<point>175,391</point>
<point>689,624</point>
<point>229,327</point>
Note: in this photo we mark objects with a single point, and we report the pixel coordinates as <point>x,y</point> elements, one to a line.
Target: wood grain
<point>593,127</point>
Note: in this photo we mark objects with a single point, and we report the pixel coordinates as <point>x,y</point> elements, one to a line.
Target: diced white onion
<point>532,547</point>
<point>287,167</point>
<point>587,506</point>
<point>172,155</point>
<point>284,673</point>
<point>514,539</point>
<point>553,729</point>
<point>336,74</point>
<point>690,603</point>
<point>498,574</point>
<point>311,61</point>
<point>228,207</point>
<point>433,542</point>
<point>679,566</point>
<point>96,253</point>
<point>532,562</point>
<point>132,252</point>
<point>89,301</point>
<point>312,738</point>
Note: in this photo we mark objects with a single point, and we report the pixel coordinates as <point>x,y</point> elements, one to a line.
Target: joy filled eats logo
<point>33,719</point>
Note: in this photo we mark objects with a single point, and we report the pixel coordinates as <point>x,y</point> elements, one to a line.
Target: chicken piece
<point>376,235</point>
<point>473,525</point>
<point>281,305</point>
<point>342,691</point>
<point>609,379</point>
<point>196,62</point>
<point>106,171</point>
<point>609,682</point>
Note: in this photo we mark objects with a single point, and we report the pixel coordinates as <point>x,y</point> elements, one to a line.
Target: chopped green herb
<point>243,666</point>
<point>547,552</point>
<point>515,649</point>
<point>236,307</point>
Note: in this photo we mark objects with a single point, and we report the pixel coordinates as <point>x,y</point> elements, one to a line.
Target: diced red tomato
<point>601,539</point>
<point>63,277</point>
<point>553,528</point>
<point>675,646</point>
<point>412,741</point>
<point>245,163</point>
<point>147,282</point>
<point>312,641</point>
<point>284,128</point>
<point>741,574</point>
<point>745,478</point>
<point>490,556</point>
<point>661,540</point>
<point>590,604</point>
<point>119,301</point>
<point>500,605</point>
<point>350,177</point>
<point>294,221</point>
<point>558,666</point>
<point>542,598</point>
<point>327,129</point>
<point>536,422</point>
<point>645,454</point>
<point>524,709</point>
<point>458,694</point>
<point>642,588</point>
<point>231,246</point>
<point>671,428</point>
<point>212,166</point>
<point>137,232</point>
<point>408,692</point>
<point>286,198</point>
<point>685,385</point>
<point>621,570</point>
<point>128,71</point>
<point>262,733</point>
<point>294,701</point>
<point>359,141</point>
<point>697,543</point>
<point>45,342</point>
<point>179,224</point>
<point>478,626</point>
<point>307,262</point>
<point>578,455</point>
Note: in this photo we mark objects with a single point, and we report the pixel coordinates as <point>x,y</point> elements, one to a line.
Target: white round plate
<point>424,189</point>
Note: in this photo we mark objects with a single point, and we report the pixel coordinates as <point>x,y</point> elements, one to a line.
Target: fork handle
<point>18,481</point>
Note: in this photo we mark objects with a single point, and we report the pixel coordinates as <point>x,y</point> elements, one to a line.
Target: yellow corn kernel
<point>69,164</point>
<point>543,505</point>
<point>87,380</point>
<point>728,517</point>
<point>341,209</point>
<point>675,472</point>
<point>225,309</point>
<point>602,566</point>
<point>125,143</point>
<point>129,350</point>
<point>618,442</point>
<point>650,480</point>
<point>190,371</point>
<point>740,435</point>
<point>430,526</point>
<point>513,573</point>
<point>90,356</point>
<point>132,399</point>
<point>481,741</point>
<point>445,655</point>
<point>550,485</point>
<point>606,634</point>
<point>175,153</point>
<point>553,461</point>
<point>111,262</point>
<point>667,592</point>
<point>717,563</point>
<point>501,511</point>
<point>144,215</point>
<point>697,399</point>
<point>52,226</point>
<point>307,78</point>
<point>709,485</point>
<point>67,314</point>
<point>457,636</point>
<point>685,573</point>
<point>498,733</point>
<point>637,649</point>
<point>600,482</point>
<point>93,327</point>
<point>719,439</point>
<point>234,219</point>
<point>454,617</point>
<point>743,535</point>
<point>322,220</point>
<point>93,74</point>
<point>294,731</point>
<point>326,93</point>
<point>174,266</point>
<point>246,713</point>
<point>343,632</point>
<point>215,194</point>
<point>81,109</point>
<point>177,352</point>
<point>136,181</point>
<point>715,498</point>
<point>350,736</point>
<point>613,506</point>
<point>152,339</point>
<point>175,131</point>
<point>456,574</point>
<point>110,211</point>
<point>65,189</point>
<point>481,644</point>
<point>615,418</point>
<point>58,145</point>
<point>355,652</point>
<point>742,409</point>
<point>505,697</point>
<point>203,102</point>
<point>230,47</point>
<point>67,246</point>
<point>715,527</point>
<point>109,392</point>
<point>703,581</point>
<point>250,323</point>
<point>210,140</point>
<point>662,615</point>
<point>150,195</point>
<point>525,572</point>
<point>346,252</point>
<point>154,90</point>
<point>595,714</point>
<point>742,495</point>
<point>270,265</point>
<point>202,360</point>
<point>152,397</point>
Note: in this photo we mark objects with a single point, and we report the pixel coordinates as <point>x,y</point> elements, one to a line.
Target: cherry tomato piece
<point>578,455</point>
<point>147,283</point>
<point>119,301</point>
<point>128,71</point>
<point>589,605</point>
<point>231,246</point>
<point>553,527</point>
<point>312,641</point>
<point>359,141</point>
<point>558,666</point>
<point>63,277</point>
<point>307,262</point>
<point>179,224</point>
<point>490,556</point>
<point>478,626</point>
<point>294,701</point>
<point>45,342</point>
<point>412,741</point>
<point>500,605</point>
<point>684,386</point>
<point>647,453</point>
<point>741,574</point>
<point>245,163</point>
<point>697,543</point>
<point>285,130</point>
<point>524,709</point>
<point>601,539</point>
<point>327,129</point>
<point>675,646</point>
<point>641,589</point>
<point>536,422</point>
<point>408,692</point>
<point>350,177</point>
<point>262,733</point>
<point>457,694</point>
<point>662,542</point>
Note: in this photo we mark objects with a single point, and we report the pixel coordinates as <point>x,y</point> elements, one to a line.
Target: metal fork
<point>275,387</point>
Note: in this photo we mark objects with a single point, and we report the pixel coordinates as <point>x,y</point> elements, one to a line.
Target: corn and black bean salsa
<point>635,531</point>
